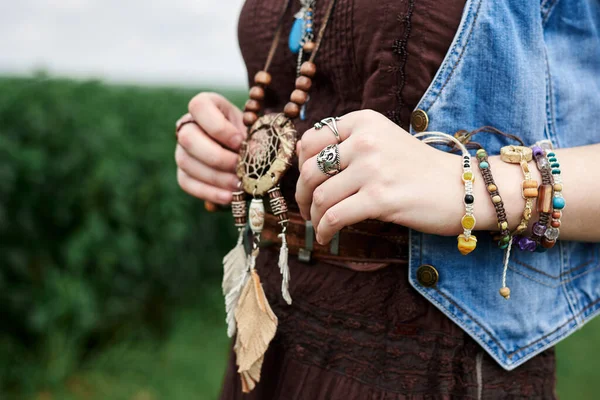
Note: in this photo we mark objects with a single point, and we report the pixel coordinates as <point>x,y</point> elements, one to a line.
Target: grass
<point>191,362</point>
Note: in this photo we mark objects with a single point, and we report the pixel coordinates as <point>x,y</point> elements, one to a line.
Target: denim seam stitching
<point>561,283</point>
<point>550,124</point>
<point>461,51</point>
<point>582,265</point>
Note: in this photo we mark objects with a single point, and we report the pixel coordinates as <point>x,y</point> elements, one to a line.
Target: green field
<point>109,274</point>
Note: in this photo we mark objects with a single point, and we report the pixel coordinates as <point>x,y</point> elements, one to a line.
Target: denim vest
<point>533,70</point>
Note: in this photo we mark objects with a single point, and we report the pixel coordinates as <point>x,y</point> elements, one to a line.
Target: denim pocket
<point>562,264</point>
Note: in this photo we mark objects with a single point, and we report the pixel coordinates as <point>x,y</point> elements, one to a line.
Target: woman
<point>381,311</point>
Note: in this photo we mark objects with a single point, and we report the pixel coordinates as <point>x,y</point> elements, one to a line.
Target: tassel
<point>284,268</point>
<point>256,325</point>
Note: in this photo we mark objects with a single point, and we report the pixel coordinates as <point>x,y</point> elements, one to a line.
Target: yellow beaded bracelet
<point>467,242</point>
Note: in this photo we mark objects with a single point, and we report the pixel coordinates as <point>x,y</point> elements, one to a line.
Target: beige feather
<point>284,268</point>
<point>256,327</point>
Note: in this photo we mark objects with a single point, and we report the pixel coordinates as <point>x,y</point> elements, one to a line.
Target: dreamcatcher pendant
<point>265,156</point>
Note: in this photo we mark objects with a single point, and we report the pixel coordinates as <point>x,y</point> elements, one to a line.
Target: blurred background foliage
<point>109,274</point>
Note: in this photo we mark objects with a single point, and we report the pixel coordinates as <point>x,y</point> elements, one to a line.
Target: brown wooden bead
<point>505,292</point>
<point>303,83</point>
<point>291,110</point>
<point>555,223</point>
<point>262,78</point>
<point>257,93</point>
<point>558,187</point>
<point>309,47</point>
<point>530,184</point>
<point>547,243</point>
<point>492,188</point>
<point>250,118</point>
<point>544,203</point>
<point>210,206</point>
<point>530,193</point>
<point>556,214</point>
<point>299,96</point>
<point>308,69</point>
<point>252,105</point>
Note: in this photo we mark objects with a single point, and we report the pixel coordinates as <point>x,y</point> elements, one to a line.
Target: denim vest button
<point>427,275</point>
<point>419,120</point>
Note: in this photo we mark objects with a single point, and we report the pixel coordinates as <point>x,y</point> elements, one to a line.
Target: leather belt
<point>370,241</point>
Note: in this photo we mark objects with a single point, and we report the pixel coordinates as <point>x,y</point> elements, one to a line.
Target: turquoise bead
<point>551,154</point>
<point>556,171</point>
<point>555,165</point>
<point>502,246</point>
<point>552,159</point>
<point>484,165</point>
<point>295,38</point>
<point>558,203</point>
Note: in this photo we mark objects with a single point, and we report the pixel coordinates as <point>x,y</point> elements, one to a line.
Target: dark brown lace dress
<point>367,335</point>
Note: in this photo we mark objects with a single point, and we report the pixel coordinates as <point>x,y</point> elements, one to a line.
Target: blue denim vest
<point>533,70</point>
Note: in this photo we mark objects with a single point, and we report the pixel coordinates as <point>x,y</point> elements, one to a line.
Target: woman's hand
<point>206,153</point>
<point>386,174</point>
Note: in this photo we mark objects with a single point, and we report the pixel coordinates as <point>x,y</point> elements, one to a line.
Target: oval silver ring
<point>330,122</point>
<point>328,160</point>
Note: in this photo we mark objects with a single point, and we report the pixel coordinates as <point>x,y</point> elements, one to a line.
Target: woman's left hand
<point>386,174</point>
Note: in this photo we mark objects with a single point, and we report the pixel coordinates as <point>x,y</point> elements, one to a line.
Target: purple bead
<point>537,151</point>
<point>539,229</point>
<point>527,244</point>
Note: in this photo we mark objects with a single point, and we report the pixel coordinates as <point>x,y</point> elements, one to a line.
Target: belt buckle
<point>304,254</point>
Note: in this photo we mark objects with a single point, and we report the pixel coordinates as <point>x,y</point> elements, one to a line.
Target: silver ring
<point>331,123</point>
<point>328,160</point>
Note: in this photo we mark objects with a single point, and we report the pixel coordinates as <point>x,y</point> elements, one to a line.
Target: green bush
<point>96,238</point>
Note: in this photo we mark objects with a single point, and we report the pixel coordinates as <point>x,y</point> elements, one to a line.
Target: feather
<point>256,327</point>
<point>234,264</point>
<point>284,268</point>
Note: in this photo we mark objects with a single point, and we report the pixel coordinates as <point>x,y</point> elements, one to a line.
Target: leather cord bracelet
<point>492,188</point>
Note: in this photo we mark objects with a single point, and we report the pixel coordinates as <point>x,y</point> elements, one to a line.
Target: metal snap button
<point>419,120</point>
<point>427,275</point>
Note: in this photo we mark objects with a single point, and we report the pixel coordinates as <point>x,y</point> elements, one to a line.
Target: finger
<point>331,192</point>
<point>202,172</point>
<point>311,177</point>
<point>349,211</point>
<point>202,190</point>
<point>313,140</point>
<point>220,119</point>
<point>200,146</point>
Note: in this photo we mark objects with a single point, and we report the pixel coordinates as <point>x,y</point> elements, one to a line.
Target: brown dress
<point>367,335</point>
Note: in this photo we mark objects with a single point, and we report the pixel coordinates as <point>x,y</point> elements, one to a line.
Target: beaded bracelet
<point>544,204</point>
<point>522,155</point>
<point>467,242</point>
<point>558,201</point>
<point>492,188</point>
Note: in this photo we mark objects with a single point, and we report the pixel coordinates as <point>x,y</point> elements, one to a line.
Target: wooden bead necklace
<point>265,156</point>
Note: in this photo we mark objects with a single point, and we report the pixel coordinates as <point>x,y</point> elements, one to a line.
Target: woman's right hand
<point>206,152</point>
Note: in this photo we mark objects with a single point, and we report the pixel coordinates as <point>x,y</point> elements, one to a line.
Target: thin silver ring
<point>331,123</point>
<point>328,160</point>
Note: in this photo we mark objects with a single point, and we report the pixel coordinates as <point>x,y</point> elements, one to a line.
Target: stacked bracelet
<point>521,155</point>
<point>492,188</point>
<point>466,241</point>
<point>544,204</point>
<point>558,201</point>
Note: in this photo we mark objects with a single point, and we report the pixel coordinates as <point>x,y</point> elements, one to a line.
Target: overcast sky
<point>142,41</point>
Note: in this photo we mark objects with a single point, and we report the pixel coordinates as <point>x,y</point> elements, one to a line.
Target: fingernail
<point>319,239</point>
<point>236,183</point>
<point>236,141</point>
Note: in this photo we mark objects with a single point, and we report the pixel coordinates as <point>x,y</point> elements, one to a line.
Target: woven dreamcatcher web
<point>267,153</point>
